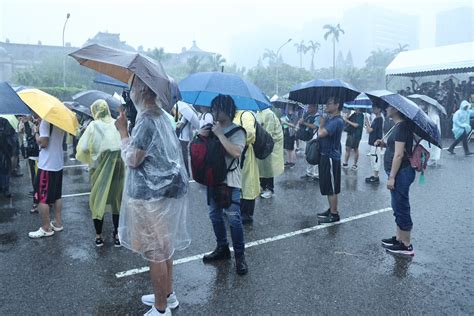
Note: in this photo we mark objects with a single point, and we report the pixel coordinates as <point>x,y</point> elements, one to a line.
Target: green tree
<point>313,47</point>
<point>400,48</point>
<point>301,49</point>
<point>334,32</point>
<point>270,55</point>
<point>194,64</point>
<point>159,54</point>
<point>216,61</point>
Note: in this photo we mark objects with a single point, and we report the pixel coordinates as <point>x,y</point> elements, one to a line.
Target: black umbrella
<point>79,108</point>
<point>319,91</point>
<point>10,102</point>
<point>86,98</point>
<point>423,126</point>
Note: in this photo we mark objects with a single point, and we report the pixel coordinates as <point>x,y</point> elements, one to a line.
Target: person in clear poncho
<point>154,203</point>
<point>99,147</point>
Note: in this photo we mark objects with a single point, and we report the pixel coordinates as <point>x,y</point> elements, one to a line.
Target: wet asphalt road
<point>334,270</point>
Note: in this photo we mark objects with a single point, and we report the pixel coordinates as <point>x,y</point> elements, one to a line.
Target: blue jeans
<point>4,182</point>
<point>216,215</point>
<point>400,198</point>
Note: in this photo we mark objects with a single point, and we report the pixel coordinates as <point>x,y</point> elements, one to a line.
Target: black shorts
<point>289,141</point>
<point>329,175</point>
<point>352,141</point>
<point>49,186</point>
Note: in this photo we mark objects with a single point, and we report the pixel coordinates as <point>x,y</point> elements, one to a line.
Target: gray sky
<point>219,26</point>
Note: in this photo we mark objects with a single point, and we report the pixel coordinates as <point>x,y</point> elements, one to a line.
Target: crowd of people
<point>142,177</point>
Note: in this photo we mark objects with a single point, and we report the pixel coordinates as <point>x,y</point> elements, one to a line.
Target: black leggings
<point>98,223</point>
<point>247,208</point>
<point>267,184</point>
<point>463,139</point>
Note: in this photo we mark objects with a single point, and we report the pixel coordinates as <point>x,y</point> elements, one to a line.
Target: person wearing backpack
<point>273,165</point>
<point>225,197</point>
<point>399,146</point>
<point>250,173</point>
<point>308,126</point>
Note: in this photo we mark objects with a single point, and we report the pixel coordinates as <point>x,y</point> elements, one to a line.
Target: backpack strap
<point>229,134</point>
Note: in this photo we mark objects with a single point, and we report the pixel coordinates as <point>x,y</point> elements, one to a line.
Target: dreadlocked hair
<point>224,103</point>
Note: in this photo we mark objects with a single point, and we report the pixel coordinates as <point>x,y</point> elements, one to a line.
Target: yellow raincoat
<point>250,175</point>
<point>99,147</point>
<point>273,165</point>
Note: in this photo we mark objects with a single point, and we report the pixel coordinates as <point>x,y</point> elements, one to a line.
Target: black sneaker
<point>240,264</point>
<point>99,242</point>
<point>389,241</point>
<point>220,253</point>
<point>117,243</point>
<point>324,214</point>
<point>451,151</point>
<point>332,218</point>
<point>372,180</point>
<point>401,249</point>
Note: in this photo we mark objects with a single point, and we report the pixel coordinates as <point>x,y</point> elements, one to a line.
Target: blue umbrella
<point>361,102</point>
<point>200,88</point>
<point>318,91</point>
<point>423,126</point>
<point>10,102</point>
<point>104,79</point>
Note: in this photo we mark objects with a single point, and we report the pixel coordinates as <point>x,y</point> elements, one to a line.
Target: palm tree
<point>401,48</point>
<point>333,31</point>
<point>194,64</point>
<point>270,55</point>
<point>216,61</point>
<point>158,54</point>
<point>302,50</point>
<point>313,46</point>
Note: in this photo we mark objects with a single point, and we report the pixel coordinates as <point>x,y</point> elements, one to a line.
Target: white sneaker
<point>56,228</point>
<point>40,233</point>
<point>266,194</point>
<point>154,312</point>
<point>172,300</point>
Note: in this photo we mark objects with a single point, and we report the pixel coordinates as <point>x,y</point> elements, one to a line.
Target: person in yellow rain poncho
<point>250,174</point>
<point>99,147</point>
<point>273,165</point>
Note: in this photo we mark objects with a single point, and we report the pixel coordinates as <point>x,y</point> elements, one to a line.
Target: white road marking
<point>454,147</point>
<point>262,241</point>
<point>74,195</point>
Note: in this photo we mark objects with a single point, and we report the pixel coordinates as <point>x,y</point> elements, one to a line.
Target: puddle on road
<point>8,215</point>
<point>7,241</point>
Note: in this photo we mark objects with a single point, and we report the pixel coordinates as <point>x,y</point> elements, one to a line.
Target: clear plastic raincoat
<point>435,151</point>
<point>273,165</point>
<point>461,120</point>
<point>250,174</point>
<point>154,204</point>
<point>99,147</point>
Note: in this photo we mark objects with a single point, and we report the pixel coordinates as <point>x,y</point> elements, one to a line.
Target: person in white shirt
<point>185,128</point>
<point>49,179</point>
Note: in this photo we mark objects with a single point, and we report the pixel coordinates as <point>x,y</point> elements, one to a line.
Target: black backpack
<point>305,133</point>
<point>263,145</point>
<point>208,159</point>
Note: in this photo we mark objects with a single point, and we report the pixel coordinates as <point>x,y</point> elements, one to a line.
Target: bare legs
<point>161,274</point>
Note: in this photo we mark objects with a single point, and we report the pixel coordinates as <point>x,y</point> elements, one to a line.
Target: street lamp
<point>64,57</point>
<point>277,63</point>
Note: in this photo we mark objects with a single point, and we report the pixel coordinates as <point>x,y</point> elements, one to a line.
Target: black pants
<point>185,150</point>
<point>32,167</point>
<point>463,139</point>
<point>267,184</point>
<point>247,208</point>
<point>98,223</point>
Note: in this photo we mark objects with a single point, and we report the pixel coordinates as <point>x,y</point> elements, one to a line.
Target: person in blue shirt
<point>329,133</point>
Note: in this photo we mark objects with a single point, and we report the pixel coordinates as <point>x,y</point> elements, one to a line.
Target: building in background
<point>455,26</point>
<point>370,28</point>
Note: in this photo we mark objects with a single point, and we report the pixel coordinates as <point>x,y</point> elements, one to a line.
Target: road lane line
<point>74,195</point>
<point>74,166</point>
<point>131,272</point>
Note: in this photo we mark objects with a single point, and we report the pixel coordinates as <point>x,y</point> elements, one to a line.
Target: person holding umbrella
<point>154,203</point>
<point>375,130</point>
<point>99,147</point>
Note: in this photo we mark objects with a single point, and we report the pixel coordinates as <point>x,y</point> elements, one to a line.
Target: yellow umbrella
<point>50,109</point>
<point>12,120</point>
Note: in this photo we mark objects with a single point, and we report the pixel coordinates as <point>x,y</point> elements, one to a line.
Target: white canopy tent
<point>450,59</point>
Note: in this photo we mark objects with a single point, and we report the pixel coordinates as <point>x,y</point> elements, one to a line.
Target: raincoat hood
<point>100,111</point>
<point>465,105</point>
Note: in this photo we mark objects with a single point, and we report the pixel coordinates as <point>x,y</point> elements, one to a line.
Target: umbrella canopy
<point>318,91</point>
<point>79,108</point>
<point>123,65</point>
<point>50,109</point>
<point>10,101</point>
<point>200,88</point>
<point>107,80</point>
<point>86,98</point>
<point>423,126</point>
<point>421,97</point>
<point>361,102</point>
